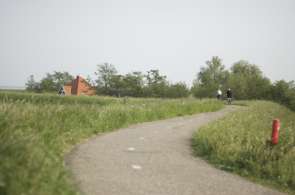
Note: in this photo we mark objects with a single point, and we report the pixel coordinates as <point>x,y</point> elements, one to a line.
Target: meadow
<point>37,130</point>
<point>240,143</point>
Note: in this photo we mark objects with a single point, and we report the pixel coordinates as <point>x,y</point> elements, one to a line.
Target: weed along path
<point>153,158</point>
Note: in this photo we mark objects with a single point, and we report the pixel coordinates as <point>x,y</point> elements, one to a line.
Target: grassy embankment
<point>37,130</point>
<point>238,143</point>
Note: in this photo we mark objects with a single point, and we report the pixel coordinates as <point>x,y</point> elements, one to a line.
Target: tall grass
<point>37,130</point>
<point>240,143</point>
<point>36,98</point>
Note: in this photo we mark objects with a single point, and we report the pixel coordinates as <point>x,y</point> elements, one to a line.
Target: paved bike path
<point>154,158</point>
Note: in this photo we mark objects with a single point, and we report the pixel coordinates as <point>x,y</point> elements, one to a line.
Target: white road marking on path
<point>141,138</point>
<point>131,149</point>
<point>136,167</point>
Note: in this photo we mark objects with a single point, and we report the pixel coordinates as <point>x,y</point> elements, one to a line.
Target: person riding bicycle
<point>229,95</point>
<point>219,94</point>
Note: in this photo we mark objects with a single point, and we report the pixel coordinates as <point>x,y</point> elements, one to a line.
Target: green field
<point>240,143</point>
<point>37,130</point>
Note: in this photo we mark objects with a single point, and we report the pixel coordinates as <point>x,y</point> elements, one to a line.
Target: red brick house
<point>79,86</point>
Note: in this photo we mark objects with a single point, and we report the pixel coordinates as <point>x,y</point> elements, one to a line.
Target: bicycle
<point>229,101</point>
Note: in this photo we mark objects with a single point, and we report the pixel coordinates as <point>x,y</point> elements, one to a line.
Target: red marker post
<point>275,131</point>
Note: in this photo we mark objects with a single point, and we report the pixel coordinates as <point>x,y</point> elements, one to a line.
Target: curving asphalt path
<point>154,158</point>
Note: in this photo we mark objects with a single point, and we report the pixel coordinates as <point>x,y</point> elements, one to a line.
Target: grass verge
<point>239,143</point>
<point>37,130</point>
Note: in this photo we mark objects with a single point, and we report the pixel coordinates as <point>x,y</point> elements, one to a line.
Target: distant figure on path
<point>219,94</point>
<point>61,92</point>
<point>229,95</point>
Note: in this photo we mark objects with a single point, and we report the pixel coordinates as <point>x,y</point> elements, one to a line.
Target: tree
<point>178,90</point>
<point>47,83</point>
<point>248,82</point>
<point>134,84</point>
<point>32,85</point>
<point>284,92</point>
<point>156,84</point>
<point>61,78</point>
<point>105,73</point>
<point>117,86</point>
<point>214,73</point>
<point>53,82</point>
<point>210,78</point>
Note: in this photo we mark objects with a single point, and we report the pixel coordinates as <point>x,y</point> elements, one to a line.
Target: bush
<point>284,93</point>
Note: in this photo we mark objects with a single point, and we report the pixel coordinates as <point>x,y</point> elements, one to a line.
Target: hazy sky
<point>174,36</point>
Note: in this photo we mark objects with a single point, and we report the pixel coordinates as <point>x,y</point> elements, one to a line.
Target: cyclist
<point>229,95</point>
<point>219,94</point>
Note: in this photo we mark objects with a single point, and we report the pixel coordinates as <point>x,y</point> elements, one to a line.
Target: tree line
<point>137,84</point>
<point>245,79</point>
<point>109,82</point>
